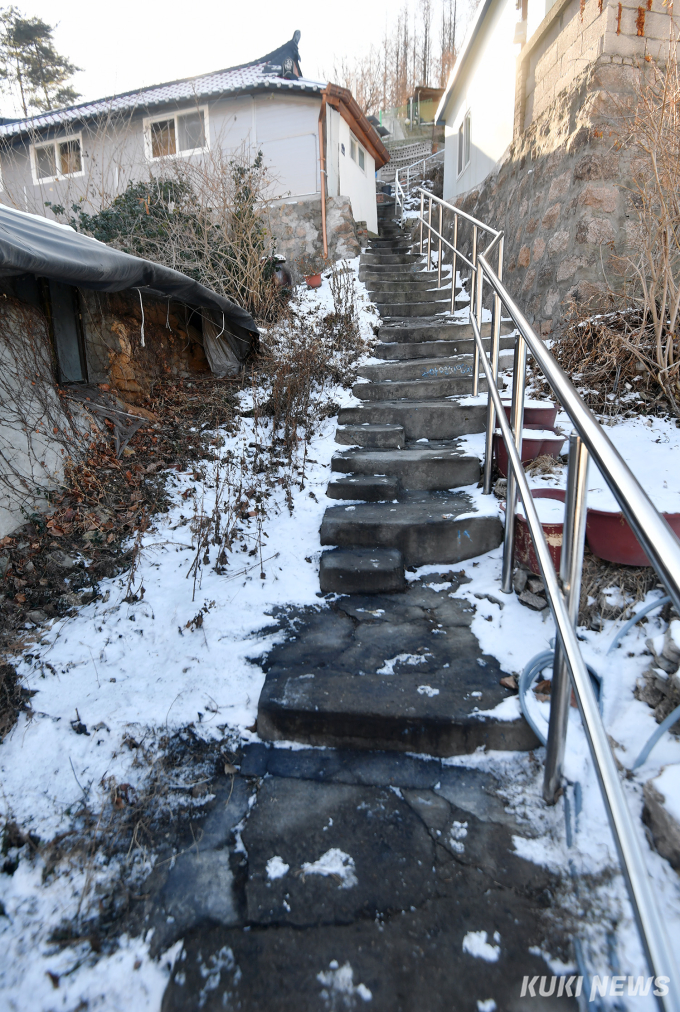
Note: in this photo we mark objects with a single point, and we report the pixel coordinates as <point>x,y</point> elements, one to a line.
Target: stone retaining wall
<point>561,196</point>
<point>296,226</point>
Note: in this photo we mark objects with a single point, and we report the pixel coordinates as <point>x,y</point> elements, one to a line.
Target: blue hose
<point>635,619</point>
<point>534,668</point>
<point>672,718</point>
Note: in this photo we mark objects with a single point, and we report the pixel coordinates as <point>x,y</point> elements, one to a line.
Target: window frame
<point>464,143</point>
<point>355,145</point>
<point>54,141</point>
<point>161,118</point>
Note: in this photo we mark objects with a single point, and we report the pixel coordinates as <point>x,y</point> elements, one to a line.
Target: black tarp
<point>30,244</point>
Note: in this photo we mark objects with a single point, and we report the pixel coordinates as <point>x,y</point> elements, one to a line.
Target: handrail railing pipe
<point>588,440</point>
<point>650,924</point>
<point>571,565</point>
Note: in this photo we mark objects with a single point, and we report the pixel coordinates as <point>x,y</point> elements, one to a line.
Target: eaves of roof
<point>472,34</point>
<point>248,78</point>
<point>343,100</point>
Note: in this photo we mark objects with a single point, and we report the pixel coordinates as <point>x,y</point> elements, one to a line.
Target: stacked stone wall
<point>296,227</point>
<point>562,196</point>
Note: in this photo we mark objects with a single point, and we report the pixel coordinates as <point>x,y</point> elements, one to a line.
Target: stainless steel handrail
<point>653,532</point>
<point>399,194</point>
<point>650,924</point>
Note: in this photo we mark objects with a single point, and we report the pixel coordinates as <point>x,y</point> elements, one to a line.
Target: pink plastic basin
<point>537,414</point>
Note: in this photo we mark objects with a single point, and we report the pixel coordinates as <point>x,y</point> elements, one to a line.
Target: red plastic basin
<point>531,448</point>
<point>538,416</point>
<point>525,553</point>
<point>610,537</point>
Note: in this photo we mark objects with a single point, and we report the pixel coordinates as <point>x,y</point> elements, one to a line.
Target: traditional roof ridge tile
<point>259,74</point>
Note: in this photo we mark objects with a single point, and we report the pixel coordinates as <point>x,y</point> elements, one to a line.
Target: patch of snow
<point>488,1005</point>
<point>338,981</point>
<point>668,785</point>
<point>475,944</point>
<point>277,867</point>
<point>388,666</point>
<point>427,690</point>
<point>334,862</point>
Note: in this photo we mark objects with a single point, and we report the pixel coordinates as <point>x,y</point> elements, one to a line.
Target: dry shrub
<point>608,358</point>
<point>632,584</point>
<point>13,699</point>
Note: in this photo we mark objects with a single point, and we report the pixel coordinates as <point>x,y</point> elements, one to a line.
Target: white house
<point>306,130</point>
<point>477,107</point>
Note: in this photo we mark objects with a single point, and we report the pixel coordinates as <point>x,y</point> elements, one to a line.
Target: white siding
<point>356,183</point>
<point>484,87</point>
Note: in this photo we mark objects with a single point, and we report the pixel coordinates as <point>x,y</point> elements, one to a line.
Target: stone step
<point>410,283</point>
<point>389,242</point>
<point>402,310</point>
<point>396,272</point>
<point>436,328</point>
<point>423,526</point>
<point>432,419</point>
<point>423,389</point>
<point>437,349</point>
<point>405,295</point>
<point>423,368</point>
<point>365,486</point>
<point>373,259</point>
<point>438,466</point>
<point>361,571</point>
<point>386,436</point>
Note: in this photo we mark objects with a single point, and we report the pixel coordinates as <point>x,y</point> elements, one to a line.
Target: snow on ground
<point>138,668</point>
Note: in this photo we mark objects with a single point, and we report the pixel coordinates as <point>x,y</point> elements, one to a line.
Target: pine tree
<point>30,67</point>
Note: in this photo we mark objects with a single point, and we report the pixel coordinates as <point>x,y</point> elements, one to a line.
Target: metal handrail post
<point>479,286</point>
<point>422,212</point>
<point>429,235</point>
<point>571,566</point>
<point>495,350</point>
<point>439,253</point>
<point>518,385</point>
<point>453,263</point>
<point>474,260</point>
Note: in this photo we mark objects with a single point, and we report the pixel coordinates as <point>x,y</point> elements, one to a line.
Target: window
<point>357,153</point>
<point>464,143</point>
<point>57,159</point>
<point>182,134</point>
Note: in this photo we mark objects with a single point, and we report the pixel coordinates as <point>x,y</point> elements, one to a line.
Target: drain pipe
<point>323,173</point>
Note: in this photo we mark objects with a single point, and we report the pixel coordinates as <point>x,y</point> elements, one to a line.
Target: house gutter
<point>323,173</point>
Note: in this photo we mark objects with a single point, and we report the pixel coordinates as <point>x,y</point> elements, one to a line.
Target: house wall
<point>485,87</point>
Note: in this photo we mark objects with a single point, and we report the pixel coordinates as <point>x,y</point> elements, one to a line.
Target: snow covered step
<point>435,349</point>
<point>436,466</point>
<point>368,673</point>
<point>424,368</point>
<point>424,526</point>
<point>369,487</point>
<point>415,389</point>
<point>361,571</point>
<point>383,436</point>
<point>428,419</point>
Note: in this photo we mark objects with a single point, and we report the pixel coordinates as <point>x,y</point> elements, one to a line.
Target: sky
<point>134,43</point>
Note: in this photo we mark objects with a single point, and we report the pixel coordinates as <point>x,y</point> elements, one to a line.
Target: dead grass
<point>598,576</point>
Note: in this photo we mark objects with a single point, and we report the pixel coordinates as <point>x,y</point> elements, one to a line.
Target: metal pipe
<point>650,528</point>
<point>468,217</point>
<point>518,385</point>
<point>422,211</point>
<point>650,925</point>
<point>439,253</point>
<point>571,566</point>
<point>479,293</point>
<point>322,172</point>
<point>453,262</point>
<point>474,260</point>
<point>429,235</point>
<point>495,350</point>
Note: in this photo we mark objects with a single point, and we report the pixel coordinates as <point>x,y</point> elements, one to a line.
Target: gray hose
<point>635,619</point>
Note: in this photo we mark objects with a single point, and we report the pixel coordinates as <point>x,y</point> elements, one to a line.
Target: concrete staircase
<point>405,462</point>
<point>368,671</point>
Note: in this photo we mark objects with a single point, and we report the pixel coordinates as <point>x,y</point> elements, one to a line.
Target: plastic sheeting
<point>30,244</point>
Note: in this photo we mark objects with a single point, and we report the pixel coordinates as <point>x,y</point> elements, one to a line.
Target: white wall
<point>353,182</point>
<point>485,86</point>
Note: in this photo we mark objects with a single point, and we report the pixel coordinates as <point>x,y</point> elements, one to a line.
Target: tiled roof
<point>261,76</point>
